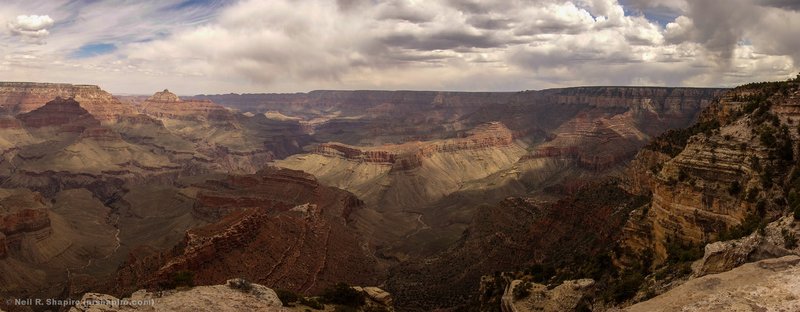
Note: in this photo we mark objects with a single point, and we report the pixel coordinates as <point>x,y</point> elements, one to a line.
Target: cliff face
<point>717,176</point>
<point>411,155</point>
<point>21,97</point>
<point>166,104</point>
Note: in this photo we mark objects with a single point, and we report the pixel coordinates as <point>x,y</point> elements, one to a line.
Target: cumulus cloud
<point>298,45</point>
<point>32,26</point>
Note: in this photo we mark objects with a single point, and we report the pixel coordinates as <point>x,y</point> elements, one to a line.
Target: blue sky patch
<point>94,49</point>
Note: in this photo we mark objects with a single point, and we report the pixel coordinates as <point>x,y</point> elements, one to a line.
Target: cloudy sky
<point>475,45</point>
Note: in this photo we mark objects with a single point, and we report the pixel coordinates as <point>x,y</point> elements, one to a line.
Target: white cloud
<point>298,45</point>
<point>32,26</point>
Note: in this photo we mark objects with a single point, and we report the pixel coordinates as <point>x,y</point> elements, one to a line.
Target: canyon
<point>425,194</point>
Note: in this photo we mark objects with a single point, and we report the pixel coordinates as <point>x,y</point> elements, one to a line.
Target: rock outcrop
<point>778,239</point>
<point>767,285</point>
<point>572,295</point>
<point>22,97</point>
<point>228,297</point>
<point>410,155</point>
<point>166,104</point>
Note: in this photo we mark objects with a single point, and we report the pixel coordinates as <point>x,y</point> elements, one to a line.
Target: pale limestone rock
<point>222,298</point>
<point>767,285</point>
<point>724,256</point>
<point>565,297</point>
<point>378,295</point>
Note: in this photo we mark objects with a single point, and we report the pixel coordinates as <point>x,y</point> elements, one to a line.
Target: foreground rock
<point>768,285</point>
<point>571,295</point>
<point>778,239</point>
<point>229,297</point>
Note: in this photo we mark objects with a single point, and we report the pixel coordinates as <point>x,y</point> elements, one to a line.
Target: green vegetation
<point>287,297</point>
<point>541,273</point>
<point>735,188</point>
<point>179,279</point>
<point>344,308</point>
<point>626,287</point>
<point>749,225</point>
<point>789,239</point>
<point>312,303</point>
<point>522,290</point>
<point>678,252</point>
<point>752,195</point>
<point>674,141</point>
<point>375,308</point>
<point>343,294</point>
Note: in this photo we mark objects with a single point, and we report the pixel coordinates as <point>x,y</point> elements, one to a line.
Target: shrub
<point>789,239</point>
<point>767,138</point>
<point>344,308</point>
<point>312,303</point>
<point>522,290</point>
<point>287,297</point>
<point>748,226</point>
<point>241,285</point>
<point>183,279</point>
<point>752,194</point>
<point>679,253</point>
<point>682,176</point>
<point>376,308</point>
<point>541,273</point>
<point>343,294</point>
<point>735,188</point>
<point>626,287</point>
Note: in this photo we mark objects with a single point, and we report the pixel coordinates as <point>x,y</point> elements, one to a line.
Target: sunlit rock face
<point>21,97</point>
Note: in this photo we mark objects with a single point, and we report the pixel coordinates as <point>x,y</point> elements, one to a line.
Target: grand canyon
<point>611,155</point>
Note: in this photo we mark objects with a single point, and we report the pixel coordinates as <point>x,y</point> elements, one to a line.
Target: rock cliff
<point>767,285</point>
<point>22,97</point>
<point>720,177</point>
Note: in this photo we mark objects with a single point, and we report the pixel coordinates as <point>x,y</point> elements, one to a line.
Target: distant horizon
<point>367,90</point>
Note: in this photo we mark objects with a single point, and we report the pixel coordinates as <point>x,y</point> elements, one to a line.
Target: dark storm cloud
<point>720,25</point>
<point>404,12</point>
<point>782,4</point>
<point>442,40</point>
<point>490,23</point>
<point>469,6</point>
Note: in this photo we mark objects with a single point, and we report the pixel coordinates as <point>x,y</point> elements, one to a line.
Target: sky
<point>207,47</point>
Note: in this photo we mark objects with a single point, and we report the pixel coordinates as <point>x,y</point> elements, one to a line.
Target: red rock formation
<point>21,212</point>
<point>280,228</point>
<point>67,114</point>
<point>166,104</point>
<point>22,97</point>
<point>410,155</point>
<point>8,122</point>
